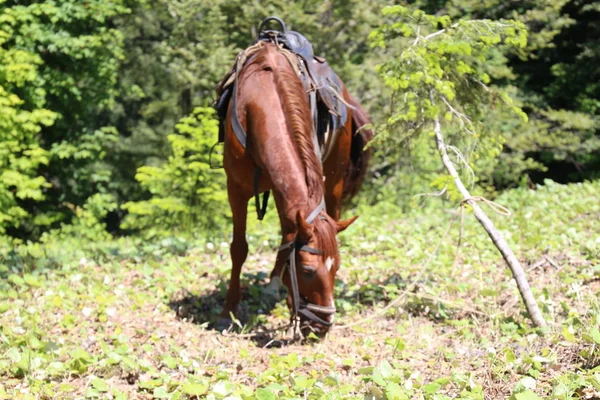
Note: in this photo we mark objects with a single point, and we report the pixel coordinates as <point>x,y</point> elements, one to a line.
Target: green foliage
<point>187,193</point>
<point>555,82</point>
<point>60,63</point>
<point>22,116</point>
<point>90,91</point>
<point>443,73</point>
<point>440,70</point>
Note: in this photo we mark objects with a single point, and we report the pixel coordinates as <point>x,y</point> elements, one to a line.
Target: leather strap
<point>311,217</point>
<point>300,306</point>
<point>260,210</point>
<point>314,317</point>
<point>238,129</point>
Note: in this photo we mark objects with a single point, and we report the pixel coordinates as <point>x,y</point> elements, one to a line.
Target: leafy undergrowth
<point>135,320</point>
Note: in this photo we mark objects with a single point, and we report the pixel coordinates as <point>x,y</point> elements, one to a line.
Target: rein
<point>301,306</point>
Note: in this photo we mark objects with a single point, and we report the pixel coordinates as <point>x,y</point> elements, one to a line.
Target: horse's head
<point>315,258</point>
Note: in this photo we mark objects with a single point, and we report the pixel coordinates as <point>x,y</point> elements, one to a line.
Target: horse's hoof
<point>223,324</point>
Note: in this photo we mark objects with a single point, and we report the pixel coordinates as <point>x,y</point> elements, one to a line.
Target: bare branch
<point>461,117</point>
<point>434,194</point>
<point>493,233</point>
<point>418,35</point>
<point>463,160</point>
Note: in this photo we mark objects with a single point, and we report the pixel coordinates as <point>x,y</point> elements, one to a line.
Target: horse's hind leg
<point>239,246</point>
<point>333,198</point>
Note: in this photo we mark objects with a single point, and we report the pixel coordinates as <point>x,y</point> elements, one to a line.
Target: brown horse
<point>274,111</point>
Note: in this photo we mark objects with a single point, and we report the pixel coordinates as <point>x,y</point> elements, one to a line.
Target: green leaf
<point>393,391</point>
<point>222,388</point>
<point>275,387</point>
<point>525,383</point>
<point>31,280</point>
<point>561,390</point>
<point>169,362</point>
<point>194,389</point>
<point>595,334</point>
<point>264,394</point>
<point>150,384</point>
<point>80,354</point>
<point>100,385</point>
<point>365,370</point>
<point>16,279</point>
<point>66,387</point>
<point>431,388</point>
<point>378,377</point>
<point>386,369</point>
<point>160,393</point>
<point>568,334</point>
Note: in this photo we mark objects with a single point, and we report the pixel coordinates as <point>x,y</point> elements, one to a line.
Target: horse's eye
<point>308,271</point>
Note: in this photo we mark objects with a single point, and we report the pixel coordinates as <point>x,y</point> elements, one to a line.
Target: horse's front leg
<point>288,234</point>
<point>276,278</point>
<point>238,201</point>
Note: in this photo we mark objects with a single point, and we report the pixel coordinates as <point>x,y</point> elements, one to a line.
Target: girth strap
<point>260,210</point>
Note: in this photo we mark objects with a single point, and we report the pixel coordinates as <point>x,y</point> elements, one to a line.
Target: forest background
<point>106,124</point>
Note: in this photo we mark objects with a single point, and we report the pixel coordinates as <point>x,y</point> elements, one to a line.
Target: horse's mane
<point>298,119</point>
<point>297,111</point>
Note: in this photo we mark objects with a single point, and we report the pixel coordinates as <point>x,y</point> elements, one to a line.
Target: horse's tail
<point>356,170</point>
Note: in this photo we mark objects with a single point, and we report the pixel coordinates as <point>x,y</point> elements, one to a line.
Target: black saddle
<point>291,40</point>
<point>331,112</point>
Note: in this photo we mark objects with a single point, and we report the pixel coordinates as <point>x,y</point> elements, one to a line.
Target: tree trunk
<point>508,255</point>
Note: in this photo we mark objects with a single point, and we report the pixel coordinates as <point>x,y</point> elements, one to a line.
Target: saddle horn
<point>269,19</point>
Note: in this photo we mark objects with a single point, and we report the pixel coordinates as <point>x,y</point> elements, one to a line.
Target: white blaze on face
<point>329,263</point>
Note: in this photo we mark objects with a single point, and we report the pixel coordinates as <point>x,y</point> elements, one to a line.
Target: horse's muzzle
<point>316,318</point>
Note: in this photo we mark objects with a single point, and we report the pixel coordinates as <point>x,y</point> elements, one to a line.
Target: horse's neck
<point>275,150</point>
<point>292,197</point>
<point>278,158</point>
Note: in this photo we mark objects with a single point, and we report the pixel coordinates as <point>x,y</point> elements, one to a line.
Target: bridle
<point>301,306</point>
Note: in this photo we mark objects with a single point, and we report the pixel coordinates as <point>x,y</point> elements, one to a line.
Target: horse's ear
<point>342,225</point>
<point>305,230</point>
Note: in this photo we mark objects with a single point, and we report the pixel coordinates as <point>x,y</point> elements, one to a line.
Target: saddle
<point>328,108</point>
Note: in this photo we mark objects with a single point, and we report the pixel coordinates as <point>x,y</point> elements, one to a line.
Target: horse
<point>274,111</point>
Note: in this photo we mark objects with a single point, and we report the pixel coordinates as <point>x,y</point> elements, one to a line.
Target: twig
<point>418,35</point>
<point>494,234</point>
<point>537,264</point>
<point>461,117</point>
<point>552,262</point>
<point>483,85</point>
<point>463,160</point>
<point>434,194</point>
<point>449,302</point>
